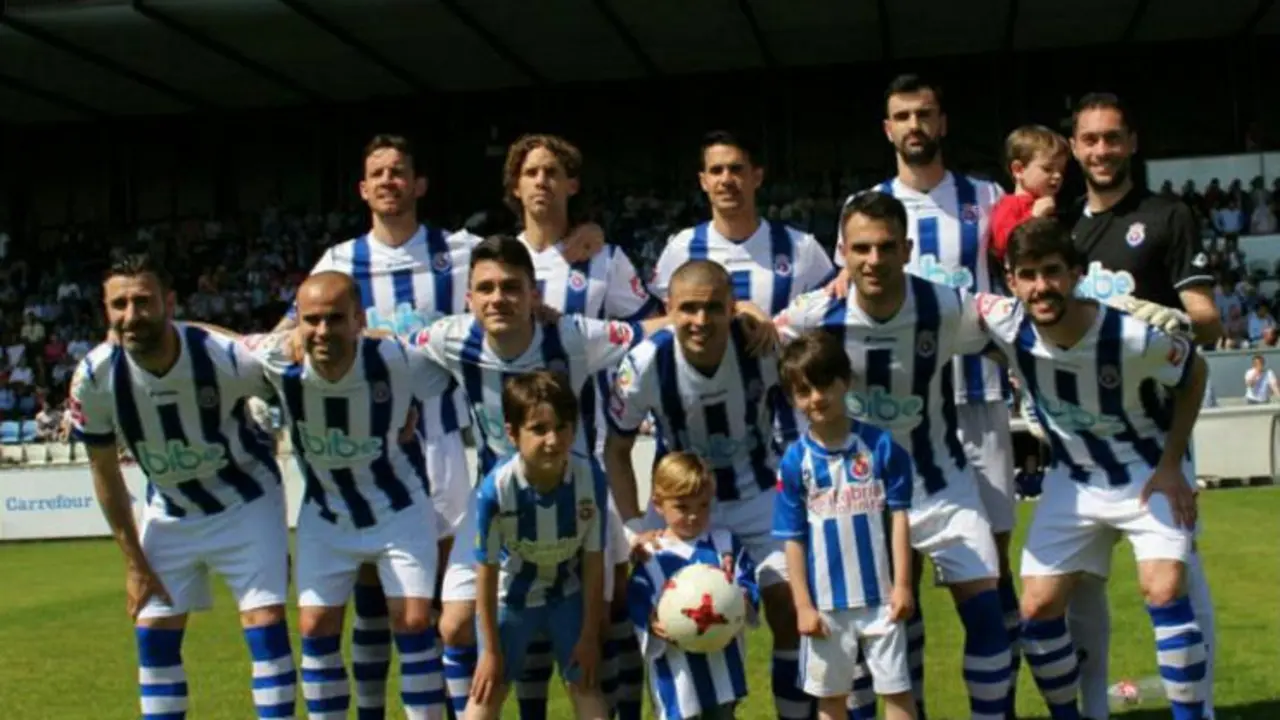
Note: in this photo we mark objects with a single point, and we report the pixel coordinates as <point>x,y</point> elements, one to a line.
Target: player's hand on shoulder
<point>1170,482</point>
<point>761,333</point>
<point>809,623</point>
<point>583,243</point>
<point>141,585</point>
<point>1044,207</point>
<point>839,285</point>
<point>902,604</point>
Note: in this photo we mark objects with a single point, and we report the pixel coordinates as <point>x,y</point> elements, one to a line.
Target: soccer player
<point>900,332</point>
<point>409,274</point>
<point>542,177</point>
<point>769,263</point>
<point>712,397</point>
<point>844,492</point>
<point>175,395</point>
<point>498,339</point>
<point>539,551</point>
<point>685,686</point>
<point>948,218</point>
<point>1118,399</point>
<point>351,407</point>
<point>1139,244</point>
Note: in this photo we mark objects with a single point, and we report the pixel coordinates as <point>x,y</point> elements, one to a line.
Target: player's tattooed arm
<point>142,583</point>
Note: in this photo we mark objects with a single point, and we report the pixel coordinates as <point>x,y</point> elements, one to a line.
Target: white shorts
<point>1076,525</point>
<point>248,545</point>
<point>403,547</point>
<point>451,485</point>
<point>952,530</point>
<point>752,521</point>
<point>827,666</point>
<point>988,444</point>
<point>460,575</point>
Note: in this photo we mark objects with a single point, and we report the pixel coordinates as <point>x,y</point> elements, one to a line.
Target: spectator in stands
<point>1229,218</point>
<point>8,403</point>
<point>1261,326</point>
<point>48,422</point>
<point>32,331</point>
<point>1213,196</point>
<point>1260,382</point>
<point>1263,220</point>
<point>1192,198</point>
<point>21,376</point>
<point>1235,330</point>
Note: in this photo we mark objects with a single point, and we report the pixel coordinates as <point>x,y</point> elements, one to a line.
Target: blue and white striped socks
<point>275,680</point>
<point>421,675</point>
<point>324,678</point>
<point>531,688</point>
<point>1180,654</point>
<point>162,681</point>
<point>987,663</point>
<point>370,652</point>
<point>459,667</point>
<point>1047,647</point>
<point>629,698</point>
<point>1013,628</point>
<point>791,702</point>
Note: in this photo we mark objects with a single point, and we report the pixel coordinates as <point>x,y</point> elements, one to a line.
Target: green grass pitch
<point>66,646</point>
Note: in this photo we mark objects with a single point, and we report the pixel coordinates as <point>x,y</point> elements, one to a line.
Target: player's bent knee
<point>458,624</point>
<point>320,621</point>
<point>962,591</point>
<point>1162,581</point>
<point>263,616</point>
<point>410,615</point>
<point>1042,600</point>
<point>167,622</point>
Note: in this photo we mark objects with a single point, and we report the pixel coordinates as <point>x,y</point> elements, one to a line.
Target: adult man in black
<point>1146,246</point>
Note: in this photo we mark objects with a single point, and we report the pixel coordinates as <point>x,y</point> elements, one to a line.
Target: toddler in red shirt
<point>1037,158</point>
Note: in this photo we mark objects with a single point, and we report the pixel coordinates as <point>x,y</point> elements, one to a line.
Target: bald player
<point>351,405</point>
<point>713,398</point>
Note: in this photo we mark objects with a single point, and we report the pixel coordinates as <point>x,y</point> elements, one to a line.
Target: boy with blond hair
<point>689,685</point>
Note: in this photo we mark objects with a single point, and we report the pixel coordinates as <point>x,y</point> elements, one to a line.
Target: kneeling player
<point>689,685</point>
<point>541,526</point>
<point>175,395</point>
<point>851,594</point>
<point>1118,399</point>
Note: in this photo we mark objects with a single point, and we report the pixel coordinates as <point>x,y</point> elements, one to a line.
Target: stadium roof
<point>87,59</point>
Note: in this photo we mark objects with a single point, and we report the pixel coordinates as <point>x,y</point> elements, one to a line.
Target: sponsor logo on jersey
<point>878,407</point>
<point>1136,233</point>
<point>1074,419</point>
<point>1101,284</point>
<point>404,320</point>
<point>932,269</point>
<point>175,461</point>
<point>326,447</point>
<point>846,500</point>
<point>782,265</point>
<point>547,552</point>
<point>720,451</point>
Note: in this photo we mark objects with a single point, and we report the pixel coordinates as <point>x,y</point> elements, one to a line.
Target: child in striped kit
<point>687,684</point>
<point>844,491</point>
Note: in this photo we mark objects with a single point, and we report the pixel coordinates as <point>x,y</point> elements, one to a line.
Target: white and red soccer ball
<point>702,609</point>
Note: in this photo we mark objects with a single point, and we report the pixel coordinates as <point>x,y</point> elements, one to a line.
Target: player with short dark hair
<point>1138,244</point>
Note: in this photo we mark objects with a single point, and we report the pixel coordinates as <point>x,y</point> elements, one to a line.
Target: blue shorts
<point>560,621</point>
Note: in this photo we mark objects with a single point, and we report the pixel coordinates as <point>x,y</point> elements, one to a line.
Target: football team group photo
<point>720,487</point>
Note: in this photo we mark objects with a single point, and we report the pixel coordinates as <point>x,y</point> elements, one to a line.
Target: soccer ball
<point>702,609</point>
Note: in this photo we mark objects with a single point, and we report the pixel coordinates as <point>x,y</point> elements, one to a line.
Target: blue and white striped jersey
<point>833,500</point>
<point>768,269</point>
<point>538,539</point>
<point>578,346</point>
<point>950,230</point>
<point>682,682</point>
<point>346,433</point>
<point>724,419</point>
<point>1104,401</point>
<point>189,430</point>
<point>901,376</point>
<point>603,287</point>
<point>404,289</point>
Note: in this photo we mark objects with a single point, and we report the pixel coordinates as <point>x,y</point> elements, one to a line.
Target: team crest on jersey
<point>1136,234</point>
<point>969,213</point>
<point>558,365</point>
<point>860,468</point>
<point>586,510</point>
<point>207,397</point>
<point>926,343</point>
<point>577,280</point>
<point>1109,377</point>
<point>381,392</point>
<point>782,265</point>
<point>441,261</point>
<point>620,334</point>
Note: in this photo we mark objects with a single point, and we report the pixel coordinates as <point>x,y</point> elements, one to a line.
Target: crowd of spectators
<point>1233,211</point>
